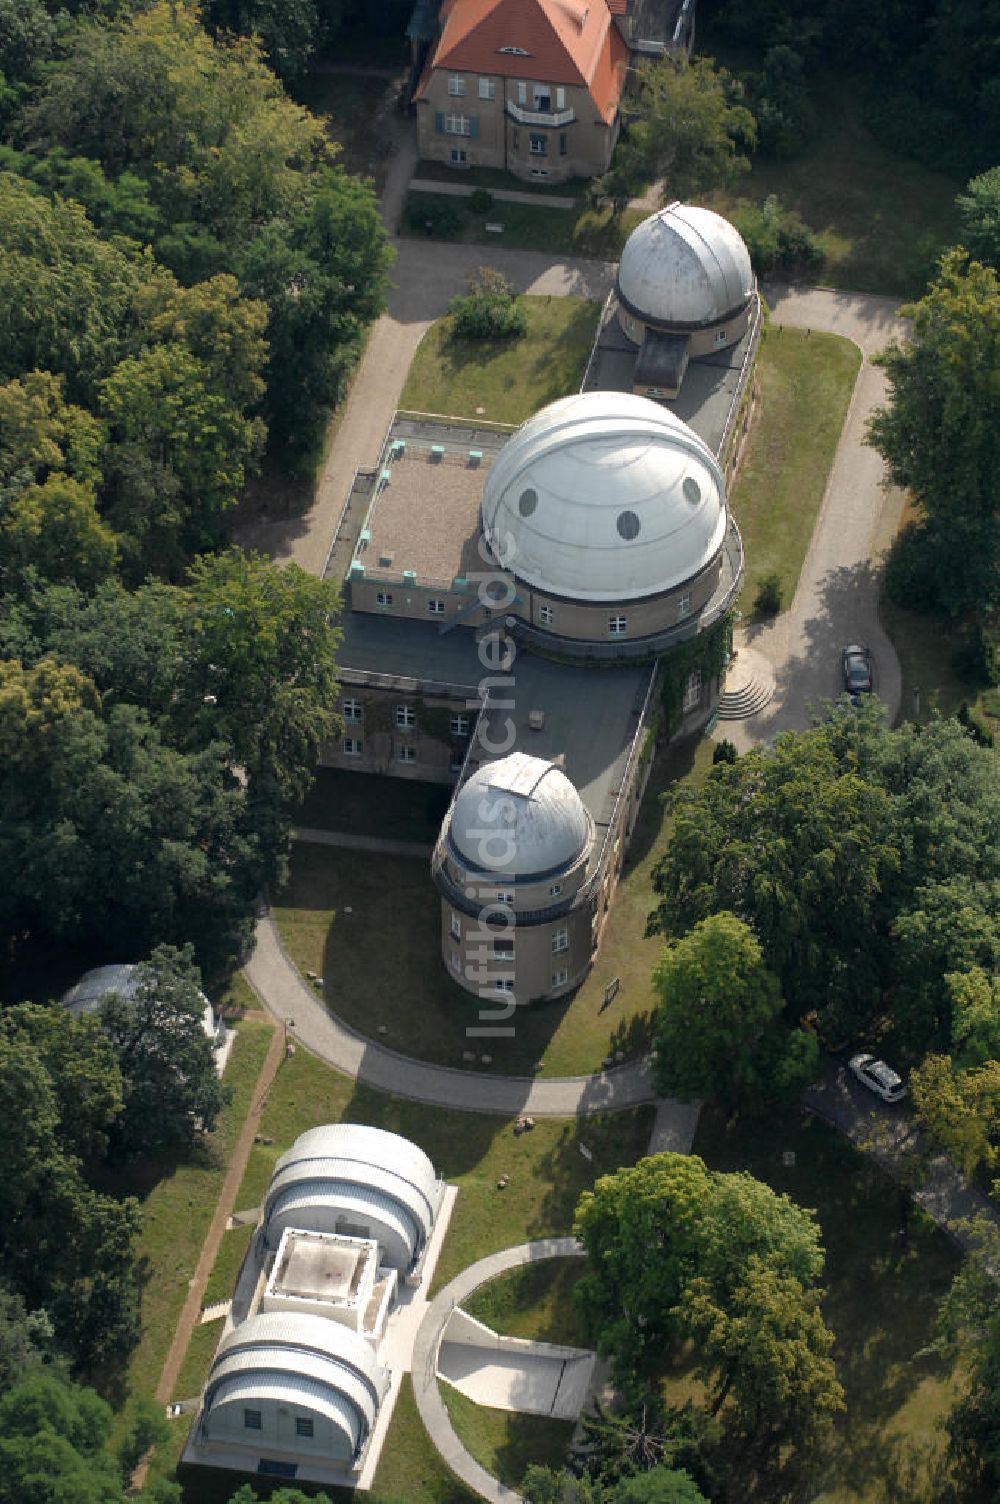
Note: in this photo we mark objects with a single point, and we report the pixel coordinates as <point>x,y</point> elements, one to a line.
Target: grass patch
<point>198,1359</point>
<point>472,1150</point>
<point>366,804</point>
<point>579,231</point>
<point>535,1301</point>
<point>410,1467</point>
<point>882,1296</point>
<point>177,1210</point>
<point>806,381</point>
<point>510,379</point>
<point>505,1444</point>
<point>228,1262</point>
<point>428,1019</point>
<point>882,219</point>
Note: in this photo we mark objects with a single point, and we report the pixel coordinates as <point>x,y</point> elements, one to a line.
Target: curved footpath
<point>432,1408</point>
<point>279,985</point>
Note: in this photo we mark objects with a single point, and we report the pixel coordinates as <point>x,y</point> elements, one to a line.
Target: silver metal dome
<point>519,818</point>
<point>607,497</point>
<point>684,268</point>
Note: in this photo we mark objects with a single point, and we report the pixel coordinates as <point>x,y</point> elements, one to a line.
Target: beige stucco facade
<point>527,127</point>
<point>401,732</point>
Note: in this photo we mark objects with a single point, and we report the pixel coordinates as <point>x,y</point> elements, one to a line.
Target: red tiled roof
<point>618,7</point>
<point>566,41</point>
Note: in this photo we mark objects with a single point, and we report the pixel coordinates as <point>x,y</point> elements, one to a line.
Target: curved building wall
<point>334,1206</point>
<point>700,342</point>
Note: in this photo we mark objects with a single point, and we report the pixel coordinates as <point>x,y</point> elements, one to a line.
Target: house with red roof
<point>529,86</point>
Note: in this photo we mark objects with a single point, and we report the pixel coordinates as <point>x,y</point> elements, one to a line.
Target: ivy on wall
<point>708,651</point>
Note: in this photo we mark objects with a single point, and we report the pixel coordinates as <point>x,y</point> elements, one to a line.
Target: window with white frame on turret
<point>692,690</point>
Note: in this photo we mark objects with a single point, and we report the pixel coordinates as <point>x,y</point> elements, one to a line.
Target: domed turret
<point>518,819</point>
<point>684,268</point>
<point>605,497</point>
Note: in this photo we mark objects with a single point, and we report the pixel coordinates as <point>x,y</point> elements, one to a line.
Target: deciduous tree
<point>55,531</point>
<point>979,212</point>
<point>689,128</point>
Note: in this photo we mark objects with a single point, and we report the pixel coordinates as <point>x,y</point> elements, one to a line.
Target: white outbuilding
<point>360,1182</point>
<point>292,1384</point>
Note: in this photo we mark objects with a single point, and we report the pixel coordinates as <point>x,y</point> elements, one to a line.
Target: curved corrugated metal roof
<point>365,1147</point>
<point>356,1202</point>
<point>315,1334</point>
<point>605,497</point>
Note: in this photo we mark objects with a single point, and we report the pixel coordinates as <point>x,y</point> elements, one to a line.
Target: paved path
<point>838,591</point>
<point>278,983</point>
<point>430,1405</point>
<point>314,837</point>
<point>889,1135</point>
<point>502,195</point>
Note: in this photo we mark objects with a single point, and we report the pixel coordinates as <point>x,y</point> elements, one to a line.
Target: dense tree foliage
<point>969,1329</point>
<point>171,1090</point>
<point>65,1248</point>
<point>940,437</point>
<point>718,1028</point>
<point>856,855</point>
<point>676,1252</point>
<point>979,209</point>
<point>27,1342</point>
<point>659,1485</point>
<point>960,1109</point>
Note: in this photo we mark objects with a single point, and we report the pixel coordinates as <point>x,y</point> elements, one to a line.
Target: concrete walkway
<point>514,1373</point>
<point>502,195</point>
<point>836,601</point>
<point>314,837</point>
<point>279,985</point>
<point>430,1405</point>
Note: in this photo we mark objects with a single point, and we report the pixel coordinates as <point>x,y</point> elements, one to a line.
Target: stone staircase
<point>749,687</point>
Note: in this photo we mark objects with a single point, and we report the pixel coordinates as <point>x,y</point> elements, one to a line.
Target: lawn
<point>504,381</point>
<point>535,1301</point>
<point>883,1292</point>
<point>427,1014</point>
<point>177,1210</point>
<point>366,804</point>
<point>806,381</point>
<point>228,1262</point>
<point>579,231</point>
<point>504,1444</point>
<point>355,110</point>
<point>198,1359</point>
<point>882,219</point>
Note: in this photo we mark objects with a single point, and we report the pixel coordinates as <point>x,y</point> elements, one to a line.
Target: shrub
<point>489,310</point>
<point>777,238</point>
<point>481,201</point>
<point>767,601</point>
<point>441,218</point>
<point>725,751</point>
<point>975,725</point>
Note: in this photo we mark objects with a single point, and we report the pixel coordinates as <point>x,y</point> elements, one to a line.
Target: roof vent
<point>536,719</point>
<point>514,51</point>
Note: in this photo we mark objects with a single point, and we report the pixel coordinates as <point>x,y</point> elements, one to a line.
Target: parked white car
<point>878,1077</point>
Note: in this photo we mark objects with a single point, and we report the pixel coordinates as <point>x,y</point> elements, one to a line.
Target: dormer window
<point>514,51</point>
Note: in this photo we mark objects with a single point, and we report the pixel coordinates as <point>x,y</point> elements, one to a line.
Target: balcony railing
<point>552,118</point>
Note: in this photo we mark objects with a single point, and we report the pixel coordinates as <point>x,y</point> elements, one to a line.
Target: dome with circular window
<point>685,268</point>
<point>607,497</point>
<point>519,818</point>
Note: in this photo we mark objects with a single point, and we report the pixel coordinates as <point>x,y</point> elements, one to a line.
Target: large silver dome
<point>685,268</point>
<point>604,496</point>
<point>519,817</point>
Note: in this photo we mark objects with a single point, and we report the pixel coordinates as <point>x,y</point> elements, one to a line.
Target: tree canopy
<point>939,435</point>
<point>979,212</point>
<point>688,127</point>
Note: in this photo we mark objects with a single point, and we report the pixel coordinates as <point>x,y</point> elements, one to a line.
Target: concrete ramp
<point>512,1373</point>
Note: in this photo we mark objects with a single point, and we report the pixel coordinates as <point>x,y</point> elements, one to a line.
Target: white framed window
<point>457,125</point>
<point>617,626</point>
<point>560,99</point>
<point>505,898</point>
<point>504,984</point>
<point>456,85</point>
<point>522,92</point>
<point>560,978</point>
<point>684,606</point>
<point>487,88</point>
<point>383,598</point>
<point>720,336</point>
<point>406,717</point>
<point>538,144</point>
<point>459,725</point>
<point>555,890</point>
<point>353,746</point>
<point>407,754</point>
<point>692,690</point>
<point>436,607</point>
<point>456,927</point>
<point>252,1420</point>
<point>545,615</point>
<point>459,156</point>
<point>560,942</point>
<point>351,711</point>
